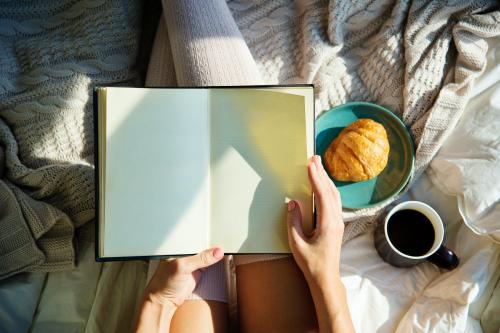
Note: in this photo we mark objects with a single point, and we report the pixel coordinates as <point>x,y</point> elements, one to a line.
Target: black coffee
<point>410,232</point>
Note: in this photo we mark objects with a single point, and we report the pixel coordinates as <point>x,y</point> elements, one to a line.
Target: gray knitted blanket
<point>52,53</point>
<point>418,59</point>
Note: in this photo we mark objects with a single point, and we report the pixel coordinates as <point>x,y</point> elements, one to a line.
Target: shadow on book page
<point>258,161</point>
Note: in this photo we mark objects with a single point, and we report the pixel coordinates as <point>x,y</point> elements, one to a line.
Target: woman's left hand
<point>174,280</point>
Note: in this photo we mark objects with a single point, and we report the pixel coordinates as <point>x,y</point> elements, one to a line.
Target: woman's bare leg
<point>200,316</point>
<point>273,296</point>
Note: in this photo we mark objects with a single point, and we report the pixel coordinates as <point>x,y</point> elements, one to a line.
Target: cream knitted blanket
<point>418,59</point>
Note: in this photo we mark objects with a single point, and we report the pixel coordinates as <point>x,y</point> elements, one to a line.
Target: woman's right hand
<point>318,254</point>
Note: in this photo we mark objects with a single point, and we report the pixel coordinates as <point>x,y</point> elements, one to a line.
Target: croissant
<point>360,152</point>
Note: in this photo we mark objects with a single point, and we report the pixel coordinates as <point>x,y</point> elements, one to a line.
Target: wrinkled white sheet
<point>383,298</point>
<point>468,164</point>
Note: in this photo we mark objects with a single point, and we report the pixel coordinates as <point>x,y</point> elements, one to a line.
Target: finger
<point>201,260</point>
<point>314,179</point>
<point>329,200</point>
<point>294,224</point>
<point>323,176</point>
<point>326,180</point>
<point>321,172</point>
<point>336,193</point>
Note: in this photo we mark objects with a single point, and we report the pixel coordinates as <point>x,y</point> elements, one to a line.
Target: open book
<point>179,170</point>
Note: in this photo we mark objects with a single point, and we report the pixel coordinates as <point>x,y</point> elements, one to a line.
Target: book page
<point>308,93</point>
<point>259,156</point>
<point>156,174</point>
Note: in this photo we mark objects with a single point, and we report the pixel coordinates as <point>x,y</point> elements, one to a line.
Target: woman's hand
<point>318,254</point>
<point>172,282</point>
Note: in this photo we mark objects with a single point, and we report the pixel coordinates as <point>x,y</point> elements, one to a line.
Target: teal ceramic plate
<point>399,166</point>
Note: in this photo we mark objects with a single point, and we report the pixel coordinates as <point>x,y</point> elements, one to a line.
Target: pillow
<point>468,164</point>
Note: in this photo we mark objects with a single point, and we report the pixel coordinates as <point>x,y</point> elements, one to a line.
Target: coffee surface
<point>410,232</point>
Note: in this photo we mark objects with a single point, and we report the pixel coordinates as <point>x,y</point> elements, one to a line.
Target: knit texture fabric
<point>417,58</point>
<point>52,54</point>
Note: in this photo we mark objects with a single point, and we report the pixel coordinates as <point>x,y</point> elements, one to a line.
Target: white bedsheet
<point>384,298</point>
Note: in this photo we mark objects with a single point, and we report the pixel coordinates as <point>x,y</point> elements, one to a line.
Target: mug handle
<point>444,258</point>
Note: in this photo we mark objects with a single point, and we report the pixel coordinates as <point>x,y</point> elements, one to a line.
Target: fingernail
<point>218,253</point>
<point>291,205</point>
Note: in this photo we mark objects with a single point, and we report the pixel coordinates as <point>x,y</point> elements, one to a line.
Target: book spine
<point>96,173</point>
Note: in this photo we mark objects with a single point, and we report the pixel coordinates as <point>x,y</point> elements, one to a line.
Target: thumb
<point>202,259</point>
<point>294,223</point>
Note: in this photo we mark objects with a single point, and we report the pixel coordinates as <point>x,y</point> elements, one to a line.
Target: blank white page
<point>156,178</point>
<point>259,156</point>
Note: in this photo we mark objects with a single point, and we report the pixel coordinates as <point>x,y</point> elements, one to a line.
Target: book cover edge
<point>96,175</point>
